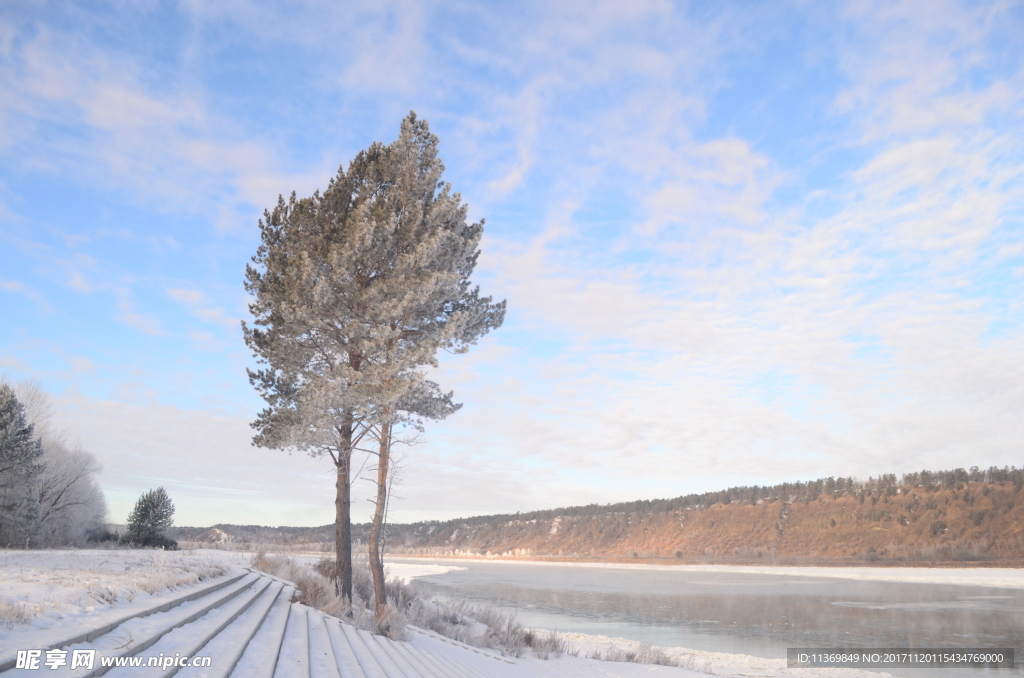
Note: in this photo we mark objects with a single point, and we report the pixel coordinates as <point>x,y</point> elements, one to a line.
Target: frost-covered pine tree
<point>20,467</point>
<point>153,513</point>
<point>356,290</point>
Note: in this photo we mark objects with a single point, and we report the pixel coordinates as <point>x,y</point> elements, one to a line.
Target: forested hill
<point>969,515</point>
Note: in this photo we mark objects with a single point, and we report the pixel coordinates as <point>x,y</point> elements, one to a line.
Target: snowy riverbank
<point>724,663</point>
<point>43,592</point>
<point>965,576</point>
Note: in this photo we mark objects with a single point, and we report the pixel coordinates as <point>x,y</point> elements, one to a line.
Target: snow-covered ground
<point>715,663</point>
<point>44,591</point>
<point>409,571</point>
<point>46,594</point>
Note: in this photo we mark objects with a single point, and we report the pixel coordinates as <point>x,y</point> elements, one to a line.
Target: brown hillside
<point>975,521</point>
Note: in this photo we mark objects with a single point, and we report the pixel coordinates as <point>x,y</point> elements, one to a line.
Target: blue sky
<point>741,243</point>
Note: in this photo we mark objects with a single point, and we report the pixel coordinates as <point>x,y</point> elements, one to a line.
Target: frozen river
<point>756,612</point>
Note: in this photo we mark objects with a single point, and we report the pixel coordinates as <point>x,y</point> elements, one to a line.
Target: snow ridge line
<point>9,661</point>
<point>232,608</point>
<point>205,604</point>
<point>262,652</point>
<point>250,632</point>
<point>366,660</point>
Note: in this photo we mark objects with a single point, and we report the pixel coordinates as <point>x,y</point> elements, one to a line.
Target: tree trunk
<point>343,515</point>
<point>377,527</point>
<point>343,528</point>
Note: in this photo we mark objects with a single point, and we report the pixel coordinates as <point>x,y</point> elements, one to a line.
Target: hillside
<point>928,517</point>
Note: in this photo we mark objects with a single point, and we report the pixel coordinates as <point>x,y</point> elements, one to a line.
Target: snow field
<point>48,589</point>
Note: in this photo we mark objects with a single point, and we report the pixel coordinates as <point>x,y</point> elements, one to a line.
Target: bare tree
<point>355,291</point>
<point>71,505</point>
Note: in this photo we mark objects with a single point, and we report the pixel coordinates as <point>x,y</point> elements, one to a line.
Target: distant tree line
<point>993,474</point>
<point>260,534</point>
<point>796,491</point>
<point>885,484</point>
<point>49,495</point>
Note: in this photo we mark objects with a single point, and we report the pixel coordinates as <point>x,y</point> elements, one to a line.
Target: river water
<point>758,614</point>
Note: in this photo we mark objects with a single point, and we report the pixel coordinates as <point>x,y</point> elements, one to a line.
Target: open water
<point>738,613</point>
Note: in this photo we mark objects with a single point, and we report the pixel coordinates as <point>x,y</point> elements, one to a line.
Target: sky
<point>741,242</point>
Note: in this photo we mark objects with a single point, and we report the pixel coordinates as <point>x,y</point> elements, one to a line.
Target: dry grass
<point>480,626</point>
<point>163,581</point>
<point>546,644</point>
<point>645,653</point>
<point>14,614</point>
<point>317,589</point>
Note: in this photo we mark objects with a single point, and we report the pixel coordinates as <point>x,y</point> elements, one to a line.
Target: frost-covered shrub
<point>645,653</point>
<point>480,626</point>
<point>13,614</point>
<point>317,587</point>
<point>391,623</point>
<point>546,643</point>
<point>648,654</point>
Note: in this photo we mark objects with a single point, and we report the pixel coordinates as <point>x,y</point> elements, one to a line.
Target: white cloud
<point>161,140</point>
<point>200,307</point>
<point>691,304</point>
<point>28,292</point>
<point>868,316</point>
<point>140,321</point>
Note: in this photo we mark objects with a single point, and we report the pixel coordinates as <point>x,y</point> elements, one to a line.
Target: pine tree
<point>20,467</point>
<point>153,513</point>
<point>356,290</point>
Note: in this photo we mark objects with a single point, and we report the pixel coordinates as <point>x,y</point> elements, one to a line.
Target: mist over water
<point>744,613</point>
